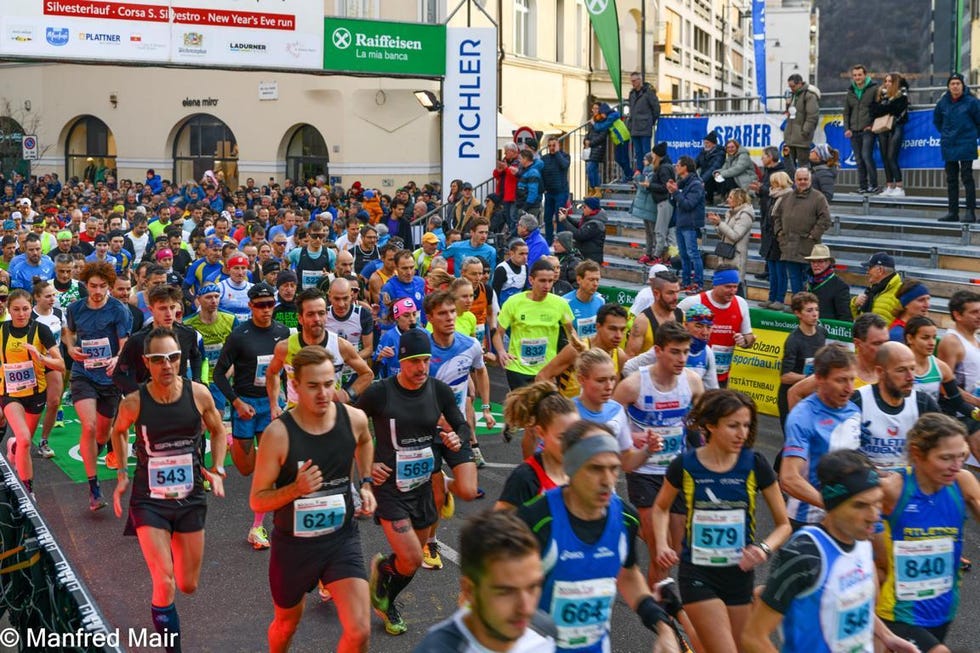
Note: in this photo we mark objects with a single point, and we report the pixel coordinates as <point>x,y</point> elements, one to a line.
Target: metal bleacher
<point>945,256</point>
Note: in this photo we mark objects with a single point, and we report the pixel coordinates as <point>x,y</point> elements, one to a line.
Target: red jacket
<point>506,182</point>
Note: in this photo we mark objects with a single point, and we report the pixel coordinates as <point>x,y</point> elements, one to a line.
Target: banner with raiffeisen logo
<point>756,371</point>
<point>373,46</point>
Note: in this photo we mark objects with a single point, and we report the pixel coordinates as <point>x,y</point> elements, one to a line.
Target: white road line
<point>502,465</point>
<point>449,553</point>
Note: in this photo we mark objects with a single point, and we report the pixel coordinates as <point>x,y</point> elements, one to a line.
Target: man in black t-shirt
<point>406,410</point>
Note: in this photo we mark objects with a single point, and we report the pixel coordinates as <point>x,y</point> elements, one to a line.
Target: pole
<point>643,40</point>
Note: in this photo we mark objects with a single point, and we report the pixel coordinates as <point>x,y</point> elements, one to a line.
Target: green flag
<point>605,22</point>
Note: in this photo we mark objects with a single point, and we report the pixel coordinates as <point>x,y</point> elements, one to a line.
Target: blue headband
<point>207,288</point>
<point>725,277</point>
<point>578,453</point>
<point>914,293</point>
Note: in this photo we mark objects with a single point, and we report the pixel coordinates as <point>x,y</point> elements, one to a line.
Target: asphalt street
<point>232,607</point>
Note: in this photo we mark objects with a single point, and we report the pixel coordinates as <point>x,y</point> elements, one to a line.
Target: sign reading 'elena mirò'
<point>370,46</point>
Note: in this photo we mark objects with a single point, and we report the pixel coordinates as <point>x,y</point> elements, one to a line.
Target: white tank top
<point>665,411</point>
<point>967,372</point>
<point>349,328</point>
<point>886,444</point>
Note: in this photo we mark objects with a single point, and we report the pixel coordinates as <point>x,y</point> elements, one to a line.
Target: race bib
<point>99,352</point>
<point>171,477</point>
<point>673,438</point>
<point>315,516</point>
<point>585,326</point>
<point>413,467</point>
<point>723,358</point>
<point>310,278</point>
<point>808,366</point>
<point>923,569</point>
<point>261,365</point>
<point>460,397</point>
<point>19,376</point>
<point>718,537</point>
<point>853,627</point>
<point>533,351</point>
<point>581,610</point>
<point>792,113</point>
<point>212,352</point>
<point>481,331</point>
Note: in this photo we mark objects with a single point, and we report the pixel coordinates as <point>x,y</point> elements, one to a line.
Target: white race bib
<point>585,326</point>
<point>924,569</point>
<point>717,537</point>
<point>723,358</point>
<point>261,365</point>
<point>19,376</point>
<point>673,438</point>
<point>413,467</point>
<point>314,516</point>
<point>99,352</point>
<point>581,610</point>
<point>310,278</point>
<point>533,351</point>
<point>212,352</point>
<point>171,477</point>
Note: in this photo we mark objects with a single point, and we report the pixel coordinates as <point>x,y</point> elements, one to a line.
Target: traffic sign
<point>29,147</point>
<point>524,134</point>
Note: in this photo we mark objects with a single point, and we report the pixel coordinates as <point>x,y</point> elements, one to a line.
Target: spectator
<point>529,184</point>
<point>644,206</point>
<point>799,349</point>
<point>568,259</point>
<point>463,212</point>
<point>824,161</point>
<point>957,119</point>
<point>892,100</point>
<point>799,220</point>
<point>802,114</point>
<point>737,171</point>
<point>688,196</point>
<point>554,180</point>
<point>913,295</point>
<point>771,164</point>
<point>530,233</point>
<point>595,143</point>
<point>505,178</point>
<point>154,181</point>
<point>589,232</point>
<point>833,293</point>
<point>709,160</point>
<point>644,113</point>
<point>734,230</point>
<point>857,127</point>
<point>880,297</point>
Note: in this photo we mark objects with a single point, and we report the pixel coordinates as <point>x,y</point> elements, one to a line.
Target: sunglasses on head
<point>157,359</point>
<point>268,304</point>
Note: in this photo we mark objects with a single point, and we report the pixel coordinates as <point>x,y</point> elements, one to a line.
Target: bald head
<point>896,372</point>
<point>345,264</point>
<point>890,352</point>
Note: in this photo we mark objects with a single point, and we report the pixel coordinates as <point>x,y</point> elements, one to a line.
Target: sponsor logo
<point>892,431</point>
<point>21,34</point>
<point>247,47</point>
<point>603,552</point>
<point>341,38</point>
<point>135,38</point>
<point>193,44</point>
<point>56,36</point>
<point>98,37</point>
<point>296,49</point>
<point>571,555</point>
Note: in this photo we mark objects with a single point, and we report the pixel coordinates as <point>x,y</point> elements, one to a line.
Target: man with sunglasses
<point>279,244</point>
<point>167,507</point>
<point>249,350</point>
<point>314,261</point>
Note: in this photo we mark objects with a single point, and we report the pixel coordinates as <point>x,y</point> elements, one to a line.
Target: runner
<point>665,288</point>
<point>960,350</point>
<point>45,312</point>
<point>250,349</point>
<point>657,400</point>
<point>167,507</point>
<point>698,320</point>
<point>406,410</point>
<point>303,474</point>
<point>27,349</point>
<point>609,331</point>
<point>535,318</point>
<point>541,409</point>
<point>215,326</point>
<point>500,585</point>
<point>96,329</point>
<point>924,511</point>
<point>406,317</point>
<point>821,587</point>
<point>823,422</point>
<point>510,277</point>
<point>585,301</point>
<point>718,483</point>
<point>349,320</point>
<point>234,288</point>
<point>595,533</point>
<point>313,262</point>
<point>404,283</point>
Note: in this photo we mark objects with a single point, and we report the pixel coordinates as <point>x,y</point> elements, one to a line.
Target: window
<point>560,31</point>
<point>358,8</point>
<point>430,11</point>
<point>205,143</point>
<point>524,28</point>
<point>307,155</point>
<point>702,41</point>
<point>90,150</point>
<point>579,31</point>
<point>11,134</point>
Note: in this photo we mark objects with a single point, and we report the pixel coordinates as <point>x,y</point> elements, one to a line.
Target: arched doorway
<point>204,143</point>
<point>90,150</point>
<point>307,155</point>
<point>11,134</point>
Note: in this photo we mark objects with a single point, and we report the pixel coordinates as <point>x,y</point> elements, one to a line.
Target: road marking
<point>501,465</point>
<point>448,552</point>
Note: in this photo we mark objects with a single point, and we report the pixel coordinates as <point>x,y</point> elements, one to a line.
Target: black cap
<point>661,149</point>
<point>101,238</point>
<point>880,258</point>
<point>260,290</point>
<point>467,185</point>
<point>712,136</point>
<point>285,277</point>
<point>270,266</point>
<point>413,344</point>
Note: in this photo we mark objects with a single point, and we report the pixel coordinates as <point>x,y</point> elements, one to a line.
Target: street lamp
<point>428,100</point>
<point>782,67</point>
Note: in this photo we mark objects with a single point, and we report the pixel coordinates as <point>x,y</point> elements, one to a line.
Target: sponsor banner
<point>370,46</point>
<point>685,134</point>
<point>469,96</point>
<point>261,34</point>
<point>622,296</point>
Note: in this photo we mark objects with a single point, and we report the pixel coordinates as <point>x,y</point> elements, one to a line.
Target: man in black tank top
<point>302,473</point>
<point>167,506</point>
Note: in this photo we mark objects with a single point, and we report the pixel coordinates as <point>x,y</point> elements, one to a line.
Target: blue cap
<point>9,224</point>
<point>592,203</point>
<point>208,288</point>
<point>213,241</point>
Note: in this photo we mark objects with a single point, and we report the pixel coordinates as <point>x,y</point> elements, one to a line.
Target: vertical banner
<point>605,22</point>
<point>469,96</point>
<point>759,38</point>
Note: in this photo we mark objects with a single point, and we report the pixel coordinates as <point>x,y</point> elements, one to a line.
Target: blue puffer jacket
<point>529,185</point>
<point>554,174</point>
<point>689,203</point>
<point>958,124</point>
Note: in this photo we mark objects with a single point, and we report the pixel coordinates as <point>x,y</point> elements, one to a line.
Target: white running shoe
<point>898,191</point>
